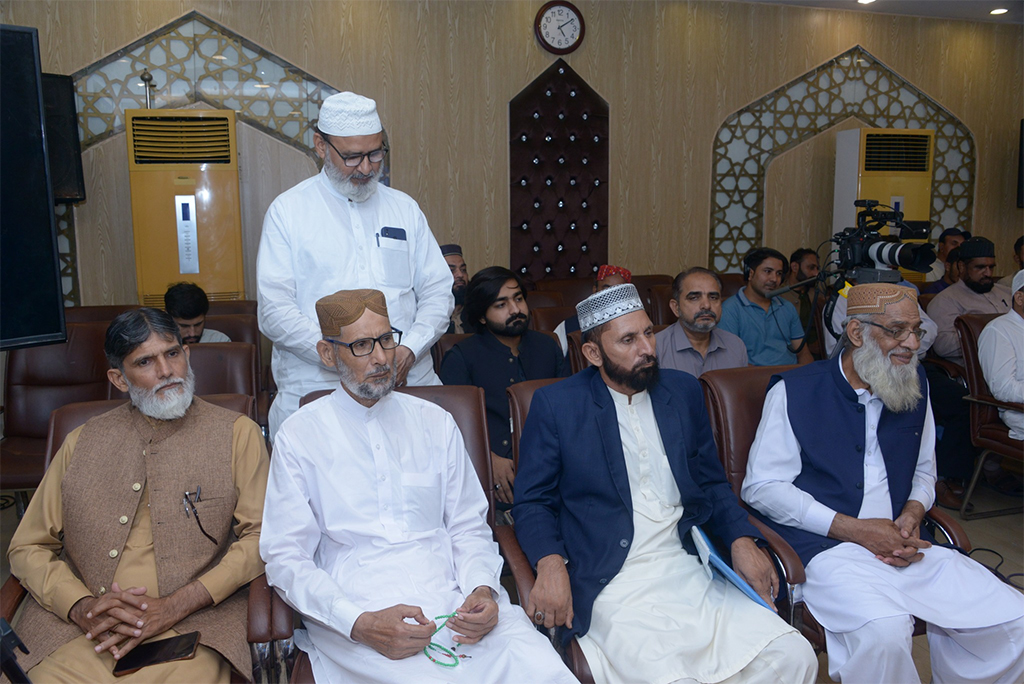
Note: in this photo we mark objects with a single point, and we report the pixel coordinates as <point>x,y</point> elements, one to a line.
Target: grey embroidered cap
<point>605,305</point>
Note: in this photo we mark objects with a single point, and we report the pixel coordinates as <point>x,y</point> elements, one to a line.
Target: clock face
<point>560,27</point>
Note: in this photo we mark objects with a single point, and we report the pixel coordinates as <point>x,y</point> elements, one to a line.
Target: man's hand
<point>504,474</point>
<point>882,537</point>
<point>387,632</point>
<point>404,358</point>
<point>476,617</point>
<point>753,565</point>
<point>113,615</point>
<point>551,595</point>
<point>159,614</point>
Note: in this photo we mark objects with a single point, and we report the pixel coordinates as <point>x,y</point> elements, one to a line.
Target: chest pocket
<point>421,493</point>
<point>394,257</point>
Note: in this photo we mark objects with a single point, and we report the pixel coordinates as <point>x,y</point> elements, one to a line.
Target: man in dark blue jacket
<point>617,466</point>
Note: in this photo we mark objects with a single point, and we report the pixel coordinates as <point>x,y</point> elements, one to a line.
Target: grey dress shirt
<point>725,350</point>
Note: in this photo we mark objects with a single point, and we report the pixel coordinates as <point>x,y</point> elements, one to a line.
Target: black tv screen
<point>31,296</point>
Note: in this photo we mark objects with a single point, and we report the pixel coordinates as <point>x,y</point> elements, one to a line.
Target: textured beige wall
<point>443,73</point>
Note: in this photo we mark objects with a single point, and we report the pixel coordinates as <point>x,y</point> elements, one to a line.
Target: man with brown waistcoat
<point>145,526</point>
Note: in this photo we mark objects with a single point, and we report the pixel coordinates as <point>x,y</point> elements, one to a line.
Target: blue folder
<point>713,560</point>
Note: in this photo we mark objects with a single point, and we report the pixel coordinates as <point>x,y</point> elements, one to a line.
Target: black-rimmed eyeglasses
<point>899,335</point>
<point>354,160</point>
<point>364,346</point>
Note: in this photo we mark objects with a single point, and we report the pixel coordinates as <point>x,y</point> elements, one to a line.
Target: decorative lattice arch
<point>854,84</point>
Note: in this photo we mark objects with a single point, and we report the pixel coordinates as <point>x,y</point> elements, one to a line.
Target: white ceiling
<point>971,10</point>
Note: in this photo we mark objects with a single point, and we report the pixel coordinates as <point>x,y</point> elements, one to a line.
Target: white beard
<point>373,390</point>
<point>896,385</point>
<point>172,405</point>
<point>357,192</point>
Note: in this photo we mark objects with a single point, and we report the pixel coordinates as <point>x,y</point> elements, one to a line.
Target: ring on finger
<point>538,617</point>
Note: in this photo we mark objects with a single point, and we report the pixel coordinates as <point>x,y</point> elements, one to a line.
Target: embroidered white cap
<point>605,305</point>
<point>1018,280</point>
<point>347,114</point>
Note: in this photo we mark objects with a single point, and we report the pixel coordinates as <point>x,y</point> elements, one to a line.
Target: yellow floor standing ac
<point>186,216</point>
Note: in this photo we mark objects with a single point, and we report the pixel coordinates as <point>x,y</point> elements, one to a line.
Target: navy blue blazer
<point>572,491</point>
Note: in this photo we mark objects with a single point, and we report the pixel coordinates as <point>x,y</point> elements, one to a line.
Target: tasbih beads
<point>442,650</point>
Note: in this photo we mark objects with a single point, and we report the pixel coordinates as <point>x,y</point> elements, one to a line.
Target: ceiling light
<point>865,2</point>
<point>262,85</point>
<point>999,11</point>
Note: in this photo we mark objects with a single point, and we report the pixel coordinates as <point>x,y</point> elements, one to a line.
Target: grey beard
<point>694,326</point>
<point>371,391</point>
<point>357,192</point>
<point>169,407</point>
<point>897,386</point>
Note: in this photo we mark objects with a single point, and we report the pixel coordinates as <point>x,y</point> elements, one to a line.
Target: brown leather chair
<point>232,306</point>
<point>242,327</point>
<point>90,314</point>
<point>988,432</point>
<point>547,318</point>
<point>443,344</point>
<point>269,617</point>
<point>39,380</point>
<point>539,298</point>
<point>735,399</point>
<point>924,300</point>
<point>574,290</point>
<point>576,358</point>
<point>644,283</point>
<point>731,284</point>
<point>660,311</point>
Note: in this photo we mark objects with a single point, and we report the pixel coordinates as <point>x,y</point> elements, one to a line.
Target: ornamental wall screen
<point>558,170</point>
<point>193,59</point>
<point>854,84</point>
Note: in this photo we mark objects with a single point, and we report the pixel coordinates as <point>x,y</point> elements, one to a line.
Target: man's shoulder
<point>542,341</point>
<point>298,192</point>
<point>678,382</point>
<point>807,371</point>
<point>729,340</point>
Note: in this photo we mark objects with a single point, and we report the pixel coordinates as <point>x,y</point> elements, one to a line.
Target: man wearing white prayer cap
<point>343,230</point>
<point>617,468</point>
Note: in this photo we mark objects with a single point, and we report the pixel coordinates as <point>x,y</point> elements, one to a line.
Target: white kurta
<point>1001,352</point>
<point>316,242</point>
<point>847,587</point>
<point>660,619</point>
<point>375,507</point>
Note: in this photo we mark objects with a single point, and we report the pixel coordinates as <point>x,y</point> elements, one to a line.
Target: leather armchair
<point>540,298</point>
<point>660,311</point>
<point>547,318</point>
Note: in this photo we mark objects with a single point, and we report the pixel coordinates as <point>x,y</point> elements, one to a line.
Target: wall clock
<point>559,27</point>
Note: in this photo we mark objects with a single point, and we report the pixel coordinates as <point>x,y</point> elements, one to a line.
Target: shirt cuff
<point>66,595</point>
<point>219,583</point>
<point>818,519</point>
<point>923,496</point>
<point>344,614</point>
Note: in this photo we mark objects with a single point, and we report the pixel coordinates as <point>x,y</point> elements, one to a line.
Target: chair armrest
<point>11,596</point>
<point>270,618</point>
<point>950,527</point>
<point>522,571</point>
<point>995,403</point>
<point>953,370</point>
<point>788,559</point>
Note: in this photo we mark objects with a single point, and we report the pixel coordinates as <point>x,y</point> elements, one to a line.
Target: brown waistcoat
<point>115,452</point>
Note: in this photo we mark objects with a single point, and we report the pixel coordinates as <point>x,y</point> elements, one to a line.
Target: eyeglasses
<point>901,334</point>
<point>364,346</point>
<point>354,160</point>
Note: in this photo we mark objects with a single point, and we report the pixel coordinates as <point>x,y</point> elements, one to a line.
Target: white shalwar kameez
<point>316,242</point>
<point>374,507</point>
<point>660,619</point>
<point>975,625</point>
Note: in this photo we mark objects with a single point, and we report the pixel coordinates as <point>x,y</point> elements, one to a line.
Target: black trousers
<point>954,453</point>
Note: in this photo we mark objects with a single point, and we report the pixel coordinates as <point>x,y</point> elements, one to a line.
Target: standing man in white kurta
<point>338,230</point>
<point>843,467</point>
<point>616,466</point>
<point>377,530</point>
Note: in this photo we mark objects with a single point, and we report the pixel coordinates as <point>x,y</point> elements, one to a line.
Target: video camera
<point>862,254</point>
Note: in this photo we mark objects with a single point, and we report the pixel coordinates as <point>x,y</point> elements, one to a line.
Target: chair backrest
<point>923,300</point>
<point>660,310</point>
<point>577,360</point>
<point>90,314</point>
<point>539,298</point>
<point>232,306</point>
<point>969,327</point>
<point>241,328</point>
<point>644,283</point>
<point>65,419</point>
<point>735,398</point>
<point>40,379</point>
<point>520,396</point>
<point>574,290</point>
<point>548,317</point>
<point>443,344</point>
<point>731,284</point>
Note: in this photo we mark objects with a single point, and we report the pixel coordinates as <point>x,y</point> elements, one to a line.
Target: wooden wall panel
<point>443,72</point>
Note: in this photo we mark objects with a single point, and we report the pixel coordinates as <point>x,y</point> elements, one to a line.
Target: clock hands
<point>565,24</point>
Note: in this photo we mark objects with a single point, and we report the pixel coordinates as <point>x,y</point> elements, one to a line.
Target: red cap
<point>608,270</point>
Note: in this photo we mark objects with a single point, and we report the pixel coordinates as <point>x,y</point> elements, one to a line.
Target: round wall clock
<point>559,27</point>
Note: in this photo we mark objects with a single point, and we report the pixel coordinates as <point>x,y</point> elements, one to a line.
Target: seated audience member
<point>611,460</point>
<point>378,534</point>
<point>843,468</point>
<point>187,304</point>
<point>503,351</point>
<point>112,551</point>
<point>803,264</point>
<point>949,239</point>
<point>769,326</point>
<point>949,277</point>
<point>694,344</point>
<point>460,276</point>
<point>1001,351</point>
<point>607,276</point>
<point>1018,261</point>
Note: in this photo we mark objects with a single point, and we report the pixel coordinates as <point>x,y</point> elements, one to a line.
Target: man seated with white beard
<point>375,528</point>
<point>843,467</point>
<point>343,230</point>
<point>109,549</point>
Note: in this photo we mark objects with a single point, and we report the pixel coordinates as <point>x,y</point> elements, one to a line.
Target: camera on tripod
<point>864,255</point>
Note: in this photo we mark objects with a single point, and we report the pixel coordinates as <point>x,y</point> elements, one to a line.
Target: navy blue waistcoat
<point>828,422</point>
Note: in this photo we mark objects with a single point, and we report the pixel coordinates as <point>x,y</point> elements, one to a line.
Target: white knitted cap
<point>605,305</point>
<point>347,114</point>
<point>1018,280</point>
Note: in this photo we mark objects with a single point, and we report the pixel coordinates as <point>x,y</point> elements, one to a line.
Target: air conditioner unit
<point>186,216</point>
